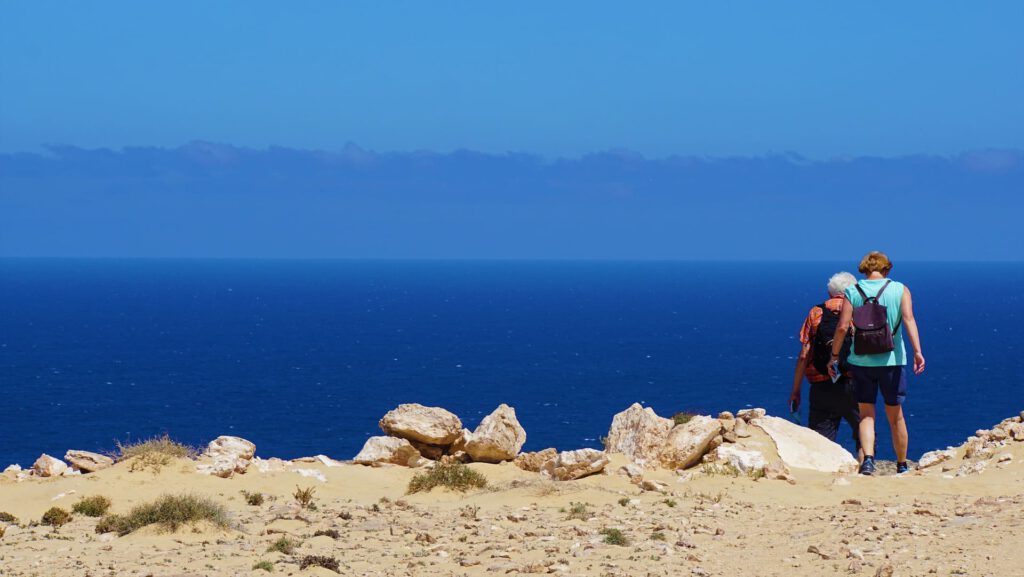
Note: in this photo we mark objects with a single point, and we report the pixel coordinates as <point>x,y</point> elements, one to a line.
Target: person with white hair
<point>830,401</point>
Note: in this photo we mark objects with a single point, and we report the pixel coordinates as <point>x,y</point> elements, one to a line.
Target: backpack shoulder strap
<point>861,291</point>
<point>878,295</point>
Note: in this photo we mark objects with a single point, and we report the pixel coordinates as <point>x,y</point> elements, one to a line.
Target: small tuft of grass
<point>319,561</point>
<point>657,536</point>
<point>95,506</point>
<point>153,453</point>
<point>284,545</point>
<point>669,502</point>
<point>683,417</point>
<point>333,534</point>
<point>304,497</point>
<point>624,501</point>
<point>169,512</point>
<point>727,469</point>
<point>267,566</point>
<point>615,537</point>
<point>255,499</point>
<point>579,511</point>
<point>454,476</point>
<point>55,517</point>
<point>6,517</point>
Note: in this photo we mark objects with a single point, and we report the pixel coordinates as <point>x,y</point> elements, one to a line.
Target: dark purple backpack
<point>872,335</point>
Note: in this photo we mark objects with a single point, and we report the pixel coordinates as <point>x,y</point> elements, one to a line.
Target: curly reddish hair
<point>875,261</point>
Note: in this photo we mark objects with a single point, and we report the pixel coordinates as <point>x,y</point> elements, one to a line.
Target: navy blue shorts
<point>867,381</point>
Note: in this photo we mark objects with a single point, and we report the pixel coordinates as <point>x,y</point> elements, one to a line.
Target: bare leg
<point>867,428</point>
<point>900,438</point>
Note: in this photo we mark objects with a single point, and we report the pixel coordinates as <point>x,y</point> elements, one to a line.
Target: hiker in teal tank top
<point>878,367</point>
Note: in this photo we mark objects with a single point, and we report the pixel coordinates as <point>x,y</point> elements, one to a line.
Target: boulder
<point>740,429</point>
<point>87,462</point>
<point>271,465</point>
<point>569,465</point>
<point>803,448</point>
<point>498,438</point>
<point>654,486</point>
<point>429,425</point>
<point>935,457</point>
<point>225,456</point>
<point>632,472</point>
<point>1016,431</point>
<point>687,443</point>
<point>534,462</point>
<point>746,462</point>
<point>639,434</point>
<point>47,466</point>
<point>387,451</point>
<point>15,468</point>
<point>748,414</point>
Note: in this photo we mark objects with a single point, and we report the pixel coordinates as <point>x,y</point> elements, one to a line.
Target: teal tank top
<point>891,298</point>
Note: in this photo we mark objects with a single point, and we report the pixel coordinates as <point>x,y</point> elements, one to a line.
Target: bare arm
<point>910,326</point>
<point>798,374</point>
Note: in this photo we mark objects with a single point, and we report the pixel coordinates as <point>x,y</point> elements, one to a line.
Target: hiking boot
<point>902,468</point>
<point>868,466</point>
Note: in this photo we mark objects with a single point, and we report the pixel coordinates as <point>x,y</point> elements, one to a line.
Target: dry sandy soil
<point>924,523</point>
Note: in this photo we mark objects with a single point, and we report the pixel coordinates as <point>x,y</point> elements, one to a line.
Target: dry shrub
<point>454,476</point>
<point>153,453</point>
<point>55,517</point>
<point>95,506</point>
<point>169,512</point>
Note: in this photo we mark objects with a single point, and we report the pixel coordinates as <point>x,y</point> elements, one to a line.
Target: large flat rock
<point>802,448</point>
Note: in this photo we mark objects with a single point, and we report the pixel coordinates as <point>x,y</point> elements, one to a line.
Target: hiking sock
<point>868,466</point>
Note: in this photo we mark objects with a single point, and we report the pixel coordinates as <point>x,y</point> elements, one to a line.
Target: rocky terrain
<point>742,493</point>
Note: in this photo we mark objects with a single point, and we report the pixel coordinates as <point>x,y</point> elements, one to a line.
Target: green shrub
<point>254,499</point>
<point>624,501</point>
<point>169,512</point>
<point>614,537</point>
<point>95,506</point>
<point>657,536</point>
<point>304,496</point>
<point>265,565</point>
<point>683,417</point>
<point>579,511</point>
<point>6,517</point>
<point>327,533</point>
<point>454,476</point>
<point>669,502</point>
<point>319,561</point>
<point>284,545</point>
<point>55,517</point>
<point>153,453</point>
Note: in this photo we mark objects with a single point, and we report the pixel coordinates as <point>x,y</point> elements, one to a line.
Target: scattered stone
<point>569,465</point>
<point>271,465</point>
<point>430,425</point>
<point>12,468</point>
<point>533,462</point>
<point>803,448</point>
<point>381,450</point>
<point>639,434</point>
<point>778,471</point>
<point>687,443</point>
<point>655,486</point>
<point>47,466</point>
<point>740,428</point>
<point>729,436</point>
<point>631,471</point>
<point>498,438</point>
<point>884,570</point>
<point>87,462</point>
<point>1004,458</point>
<point>725,416</point>
<point>815,550</point>
<point>935,457</point>
<point>750,414</point>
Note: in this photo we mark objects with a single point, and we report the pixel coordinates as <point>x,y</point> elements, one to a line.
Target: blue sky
<point>554,78</point>
<point>664,130</point>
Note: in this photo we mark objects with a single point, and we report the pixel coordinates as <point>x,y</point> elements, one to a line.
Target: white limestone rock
<point>803,448</point>
<point>570,465</point>
<point>88,462</point>
<point>225,456</point>
<point>498,438</point>
<point>429,425</point>
<point>687,443</point>
<point>746,462</point>
<point>935,457</point>
<point>47,466</point>
<point>639,434</point>
<point>379,451</point>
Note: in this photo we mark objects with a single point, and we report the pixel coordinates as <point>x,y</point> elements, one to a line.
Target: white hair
<point>839,282</point>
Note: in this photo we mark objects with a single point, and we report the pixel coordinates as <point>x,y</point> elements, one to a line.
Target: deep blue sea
<point>304,357</point>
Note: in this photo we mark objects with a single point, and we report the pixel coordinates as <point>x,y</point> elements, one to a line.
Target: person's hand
<point>918,363</point>
<point>794,399</point>
<point>832,368</point>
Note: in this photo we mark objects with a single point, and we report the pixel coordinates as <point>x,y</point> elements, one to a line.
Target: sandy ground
<point>924,523</point>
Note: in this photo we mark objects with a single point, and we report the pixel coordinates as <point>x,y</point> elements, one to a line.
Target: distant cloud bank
<point>205,199</point>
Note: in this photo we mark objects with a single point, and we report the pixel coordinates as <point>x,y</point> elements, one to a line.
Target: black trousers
<point>831,403</point>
